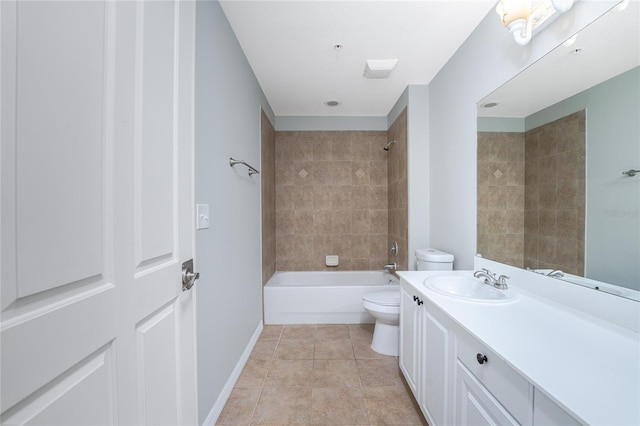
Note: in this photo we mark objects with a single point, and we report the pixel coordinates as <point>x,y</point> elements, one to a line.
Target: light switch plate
<point>202,216</point>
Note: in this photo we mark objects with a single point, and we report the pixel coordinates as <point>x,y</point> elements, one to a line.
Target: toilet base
<point>386,339</point>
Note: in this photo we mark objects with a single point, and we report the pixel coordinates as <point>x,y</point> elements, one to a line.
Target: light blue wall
<point>612,247</point>
<point>229,291</point>
<point>487,59</point>
<point>497,124</point>
<point>317,123</point>
<point>612,200</point>
<point>418,170</point>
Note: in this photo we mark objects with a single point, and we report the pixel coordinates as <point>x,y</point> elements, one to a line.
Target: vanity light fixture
<point>522,17</point>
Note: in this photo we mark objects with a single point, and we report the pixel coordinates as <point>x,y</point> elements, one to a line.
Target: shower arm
<point>386,147</point>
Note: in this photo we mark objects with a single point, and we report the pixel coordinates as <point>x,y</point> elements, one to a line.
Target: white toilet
<point>384,306</point>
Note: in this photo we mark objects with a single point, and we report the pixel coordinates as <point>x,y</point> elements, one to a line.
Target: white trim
<point>213,415</point>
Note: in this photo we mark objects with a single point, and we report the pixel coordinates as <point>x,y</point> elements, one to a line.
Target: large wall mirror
<point>557,147</point>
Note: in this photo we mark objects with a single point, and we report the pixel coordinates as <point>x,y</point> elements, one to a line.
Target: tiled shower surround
<point>331,199</point>
<point>398,192</point>
<point>531,187</point>
<point>268,180</point>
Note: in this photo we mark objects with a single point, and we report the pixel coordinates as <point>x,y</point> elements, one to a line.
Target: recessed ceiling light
<point>332,103</point>
<point>489,105</point>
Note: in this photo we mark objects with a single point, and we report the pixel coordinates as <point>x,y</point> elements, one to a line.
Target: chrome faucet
<point>490,279</point>
<point>556,273</point>
<point>390,266</point>
<point>502,282</point>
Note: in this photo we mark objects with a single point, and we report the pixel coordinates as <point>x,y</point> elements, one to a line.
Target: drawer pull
<point>482,358</point>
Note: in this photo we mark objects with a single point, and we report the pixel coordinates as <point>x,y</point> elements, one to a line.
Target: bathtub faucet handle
<point>390,266</point>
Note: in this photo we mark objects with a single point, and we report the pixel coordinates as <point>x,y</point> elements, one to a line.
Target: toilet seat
<point>383,298</point>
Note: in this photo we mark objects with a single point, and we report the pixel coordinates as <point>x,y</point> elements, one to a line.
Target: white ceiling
<point>290,47</point>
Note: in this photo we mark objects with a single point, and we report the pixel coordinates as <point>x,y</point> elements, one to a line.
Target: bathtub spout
<point>390,266</point>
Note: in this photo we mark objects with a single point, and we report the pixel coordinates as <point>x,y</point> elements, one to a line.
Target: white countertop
<point>586,365</point>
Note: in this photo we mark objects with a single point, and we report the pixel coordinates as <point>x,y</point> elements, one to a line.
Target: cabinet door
<point>547,413</point>
<point>410,331</point>
<point>437,376</point>
<point>475,405</point>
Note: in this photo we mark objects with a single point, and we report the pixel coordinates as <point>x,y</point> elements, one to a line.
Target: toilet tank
<point>433,260</point>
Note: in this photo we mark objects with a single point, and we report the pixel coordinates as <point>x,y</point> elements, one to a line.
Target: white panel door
<point>97,193</point>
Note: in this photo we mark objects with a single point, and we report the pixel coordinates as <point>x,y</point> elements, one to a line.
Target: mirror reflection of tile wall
<point>531,204</point>
<point>501,196</point>
<point>555,195</point>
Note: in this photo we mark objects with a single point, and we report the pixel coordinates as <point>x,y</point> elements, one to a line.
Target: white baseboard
<point>213,415</point>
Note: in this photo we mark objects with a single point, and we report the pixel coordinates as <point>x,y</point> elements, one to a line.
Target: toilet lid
<point>384,298</point>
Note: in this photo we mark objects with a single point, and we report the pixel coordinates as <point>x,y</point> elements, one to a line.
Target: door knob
<point>188,276</point>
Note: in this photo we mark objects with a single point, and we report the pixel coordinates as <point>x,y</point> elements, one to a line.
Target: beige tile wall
<point>398,192</point>
<point>501,189</point>
<point>331,199</point>
<point>268,180</point>
<point>554,201</point>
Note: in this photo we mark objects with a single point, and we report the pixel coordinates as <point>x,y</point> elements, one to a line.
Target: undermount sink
<point>468,288</point>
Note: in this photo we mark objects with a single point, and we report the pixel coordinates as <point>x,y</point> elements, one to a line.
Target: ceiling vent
<point>379,68</point>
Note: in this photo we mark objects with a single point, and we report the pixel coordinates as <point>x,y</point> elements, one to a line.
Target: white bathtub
<point>322,297</point>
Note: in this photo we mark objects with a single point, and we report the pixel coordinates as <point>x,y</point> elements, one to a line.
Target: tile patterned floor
<point>320,375</point>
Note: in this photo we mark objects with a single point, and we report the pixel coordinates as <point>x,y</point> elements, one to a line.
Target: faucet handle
<point>488,272</point>
<point>502,279</point>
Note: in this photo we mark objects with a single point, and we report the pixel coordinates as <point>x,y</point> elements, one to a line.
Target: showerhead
<point>386,147</point>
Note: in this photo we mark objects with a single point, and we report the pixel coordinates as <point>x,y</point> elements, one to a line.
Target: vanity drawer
<point>511,389</point>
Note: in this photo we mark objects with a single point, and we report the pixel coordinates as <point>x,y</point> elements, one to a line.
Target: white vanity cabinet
<point>458,380</point>
<point>488,391</point>
<point>474,403</point>
<point>547,413</point>
<point>426,355</point>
